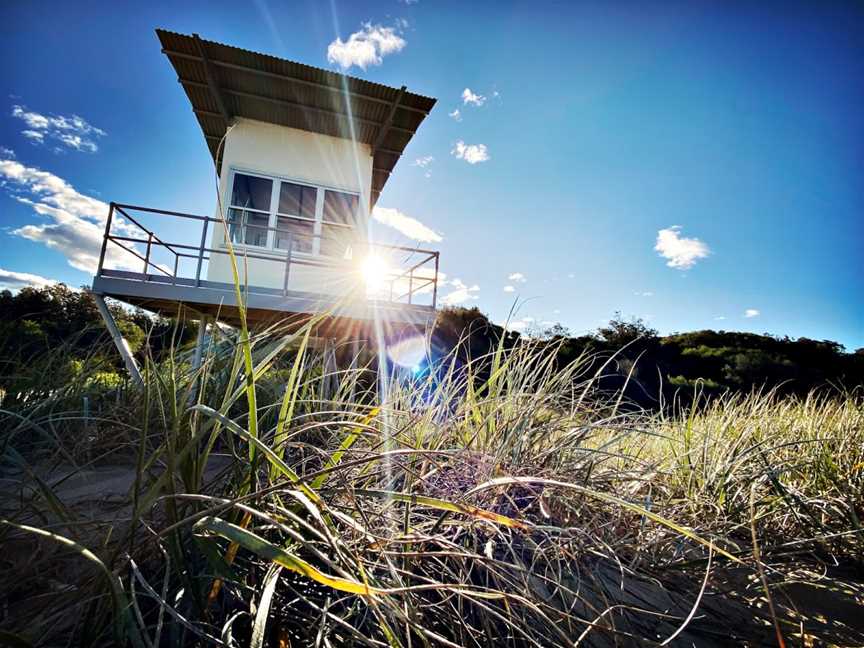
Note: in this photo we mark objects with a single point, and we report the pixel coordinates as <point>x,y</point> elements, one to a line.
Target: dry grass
<point>499,502</point>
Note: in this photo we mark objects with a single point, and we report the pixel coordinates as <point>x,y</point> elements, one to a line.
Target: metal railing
<point>421,276</point>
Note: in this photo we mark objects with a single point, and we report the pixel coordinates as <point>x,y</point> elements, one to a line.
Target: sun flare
<point>375,272</point>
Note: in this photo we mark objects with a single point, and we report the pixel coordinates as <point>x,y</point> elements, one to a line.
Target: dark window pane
<point>297,200</point>
<point>251,192</point>
<point>256,229</point>
<point>235,225</point>
<point>336,240</point>
<point>299,231</point>
<point>340,207</point>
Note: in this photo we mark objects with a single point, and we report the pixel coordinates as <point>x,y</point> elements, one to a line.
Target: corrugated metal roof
<point>257,86</point>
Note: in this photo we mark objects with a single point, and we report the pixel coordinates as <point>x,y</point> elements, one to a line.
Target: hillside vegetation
<point>503,496</point>
<point>62,328</point>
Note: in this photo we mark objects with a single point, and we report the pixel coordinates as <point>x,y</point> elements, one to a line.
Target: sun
<point>375,272</point>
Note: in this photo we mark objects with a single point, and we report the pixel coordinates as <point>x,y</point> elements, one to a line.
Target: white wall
<point>305,157</point>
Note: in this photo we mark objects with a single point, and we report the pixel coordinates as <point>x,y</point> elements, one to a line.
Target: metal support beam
<point>198,355</point>
<point>199,342</point>
<point>119,341</point>
<point>388,123</point>
<point>331,377</point>
<point>211,80</point>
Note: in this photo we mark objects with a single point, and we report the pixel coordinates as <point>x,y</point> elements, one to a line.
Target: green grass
<point>500,501</point>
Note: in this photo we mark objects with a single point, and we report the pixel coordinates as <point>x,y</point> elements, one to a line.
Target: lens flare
<point>408,352</point>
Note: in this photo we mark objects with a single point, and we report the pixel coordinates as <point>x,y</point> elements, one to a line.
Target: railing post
<point>147,256</point>
<point>287,265</point>
<point>201,252</point>
<point>435,284</point>
<point>176,263</point>
<point>105,239</point>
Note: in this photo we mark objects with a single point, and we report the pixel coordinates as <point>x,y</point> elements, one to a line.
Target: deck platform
<point>165,290</point>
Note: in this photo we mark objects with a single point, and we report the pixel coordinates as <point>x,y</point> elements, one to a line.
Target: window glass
<point>340,207</point>
<point>251,192</point>
<point>256,229</point>
<point>297,200</point>
<point>300,233</point>
<point>336,241</point>
<point>235,225</point>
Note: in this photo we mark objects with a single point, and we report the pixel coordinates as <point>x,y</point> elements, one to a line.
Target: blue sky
<point>595,139</point>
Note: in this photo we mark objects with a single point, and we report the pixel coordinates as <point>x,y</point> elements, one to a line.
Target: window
<point>297,200</point>
<point>283,215</point>
<point>301,234</point>
<point>249,215</point>
<point>339,222</point>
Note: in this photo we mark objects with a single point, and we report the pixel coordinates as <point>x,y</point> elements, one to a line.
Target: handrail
<point>202,252</point>
<point>163,212</point>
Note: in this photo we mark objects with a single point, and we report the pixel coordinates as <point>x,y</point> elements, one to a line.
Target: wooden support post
<point>119,342</point>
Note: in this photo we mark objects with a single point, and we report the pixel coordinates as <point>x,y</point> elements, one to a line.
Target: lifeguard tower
<point>302,155</point>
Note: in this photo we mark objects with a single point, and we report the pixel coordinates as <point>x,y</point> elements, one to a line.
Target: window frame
<point>274,214</point>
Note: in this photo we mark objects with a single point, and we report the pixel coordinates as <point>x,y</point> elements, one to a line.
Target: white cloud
<point>456,114</point>
<point>521,325</point>
<point>410,227</point>
<point>509,289</point>
<point>752,312</point>
<point>76,223</point>
<point>469,98</point>
<point>557,311</point>
<point>644,293</point>
<point>10,280</point>
<point>366,47</point>
<point>681,253</point>
<point>518,277</point>
<point>471,153</point>
<point>36,136</point>
<point>71,131</point>
<point>720,318</point>
<point>460,294</point>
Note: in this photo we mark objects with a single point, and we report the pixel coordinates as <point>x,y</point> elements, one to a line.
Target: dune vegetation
<point>501,499</point>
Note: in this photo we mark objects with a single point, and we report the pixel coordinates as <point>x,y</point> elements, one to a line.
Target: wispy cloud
<point>470,98</point>
<point>70,131</point>
<point>10,280</point>
<point>456,114</point>
<point>518,277</point>
<point>410,227</point>
<point>720,318</point>
<point>644,293</point>
<point>425,163</point>
<point>471,153</point>
<point>752,312</point>
<point>681,253</point>
<point>509,289</point>
<point>366,47</point>
<point>76,222</point>
<point>460,294</point>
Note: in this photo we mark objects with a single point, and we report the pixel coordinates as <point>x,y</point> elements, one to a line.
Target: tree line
<point>48,333</point>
